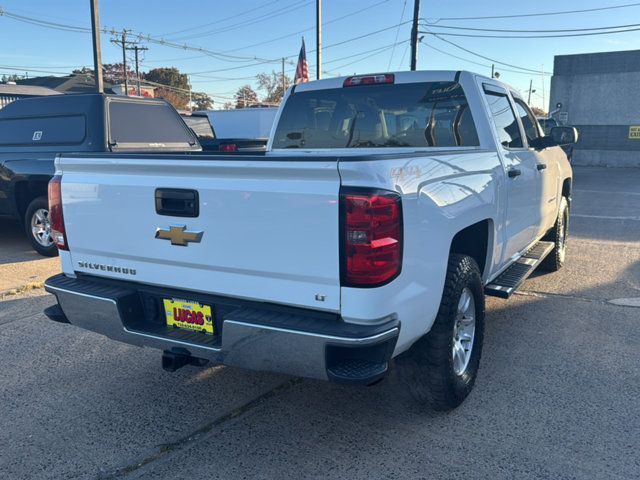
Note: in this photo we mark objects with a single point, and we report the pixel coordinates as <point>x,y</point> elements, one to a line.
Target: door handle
<point>541,166</point>
<point>177,202</point>
<point>514,172</point>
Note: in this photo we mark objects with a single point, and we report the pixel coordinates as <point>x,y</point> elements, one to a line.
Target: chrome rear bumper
<point>255,338</point>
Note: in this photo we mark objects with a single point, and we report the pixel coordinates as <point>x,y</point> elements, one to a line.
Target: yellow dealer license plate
<point>188,315</point>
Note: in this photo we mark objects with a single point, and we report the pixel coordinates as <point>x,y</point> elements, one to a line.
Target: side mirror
<point>564,135</point>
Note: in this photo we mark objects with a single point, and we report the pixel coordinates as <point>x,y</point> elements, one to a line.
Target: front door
<point>547,165</point>
<point>524,197</point>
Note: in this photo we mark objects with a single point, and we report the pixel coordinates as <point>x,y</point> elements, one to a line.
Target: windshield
<point>434,114</point>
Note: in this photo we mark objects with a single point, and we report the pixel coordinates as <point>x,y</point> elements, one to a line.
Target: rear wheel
<point>440,368</point>
<point>38,227</point>
<point>558,235</point>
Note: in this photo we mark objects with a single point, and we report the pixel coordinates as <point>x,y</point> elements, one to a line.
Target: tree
<point>538,112</point>
<point>179,101</point>
<point>201,101</point>
<point>176,90</point>
<point>271,84</point>
<point>227,105</point>
<point>245,96</point>
<point>111,72</point>
<point>11,78</point>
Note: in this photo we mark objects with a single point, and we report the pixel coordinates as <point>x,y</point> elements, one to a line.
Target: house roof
<point>25,90</point>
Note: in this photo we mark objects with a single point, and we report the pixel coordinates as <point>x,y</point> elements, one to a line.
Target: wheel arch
<point>475,240</point>
<point>26,191</point>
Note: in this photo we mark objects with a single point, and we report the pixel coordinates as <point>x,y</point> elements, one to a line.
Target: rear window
<point>53,130</point>
<point>433,114</point>
<point>200,126</point>
<point>146,125</point>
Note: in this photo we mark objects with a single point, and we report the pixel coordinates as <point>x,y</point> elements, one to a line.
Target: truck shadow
<point>14,245</point>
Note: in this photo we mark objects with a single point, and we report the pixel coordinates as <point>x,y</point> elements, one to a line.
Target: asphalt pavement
<point>557,395</point>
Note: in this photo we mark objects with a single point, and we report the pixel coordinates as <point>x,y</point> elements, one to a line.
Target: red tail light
<point>369,80</point>
<point>56,218</point>
<point>371,236</point>
<point>228,147</point>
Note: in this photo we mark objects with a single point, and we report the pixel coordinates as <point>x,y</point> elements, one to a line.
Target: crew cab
<point>33,131</point>
<point>386,208</point>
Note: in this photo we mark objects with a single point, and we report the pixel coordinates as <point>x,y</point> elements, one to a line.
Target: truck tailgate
<point>269,227</point>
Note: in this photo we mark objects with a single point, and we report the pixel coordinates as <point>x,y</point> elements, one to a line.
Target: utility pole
<point>544,106</point>
<point>414,35</point>
<point>283,81</point>
<point>319,39</point>
<point>493,70</point>
<point>124,62</point>
<point>530,91</point>
<point>137,49</point>
<point>97,50</point>
<point>123,44</point>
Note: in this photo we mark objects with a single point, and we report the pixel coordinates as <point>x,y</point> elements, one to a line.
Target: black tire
<point>427,369</point>
<point>38,205</point>
<point>558,235</point>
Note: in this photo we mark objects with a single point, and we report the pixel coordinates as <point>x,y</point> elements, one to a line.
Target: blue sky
<point>244,30</point>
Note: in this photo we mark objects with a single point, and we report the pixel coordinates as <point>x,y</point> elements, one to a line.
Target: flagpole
<point>319,39</point>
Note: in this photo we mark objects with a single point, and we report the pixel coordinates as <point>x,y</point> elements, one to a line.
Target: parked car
<point>386,208</point>
<point>33,131</point>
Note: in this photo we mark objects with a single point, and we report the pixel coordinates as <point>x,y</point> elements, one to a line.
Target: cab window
<point>432,114</point>
<point>504,118</point>
<point>528,120</point>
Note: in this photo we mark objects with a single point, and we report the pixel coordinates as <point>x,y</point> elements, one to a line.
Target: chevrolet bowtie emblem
<point>179,235</point>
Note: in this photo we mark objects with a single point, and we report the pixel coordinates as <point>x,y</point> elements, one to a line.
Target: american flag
<point>302,69</point>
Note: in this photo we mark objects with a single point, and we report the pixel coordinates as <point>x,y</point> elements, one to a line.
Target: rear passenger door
<point>523,211</point>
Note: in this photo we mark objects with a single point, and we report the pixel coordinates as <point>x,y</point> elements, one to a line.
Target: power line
<point>264,42</point>
<point>452,27</point>
<point>220,20</point>
<point>566,12</point>
<point>484,57</point>
<point>404,7</point>
<point>148,38</point>
<point>449,54</point>
<point>533,36</point>
<point>260,18</point>
<point>376,51</point>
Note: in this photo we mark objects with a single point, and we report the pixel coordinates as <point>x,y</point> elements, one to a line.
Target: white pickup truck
<point>386,208</point>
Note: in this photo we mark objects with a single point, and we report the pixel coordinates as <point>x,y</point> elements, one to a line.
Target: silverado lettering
<point>107,268</point>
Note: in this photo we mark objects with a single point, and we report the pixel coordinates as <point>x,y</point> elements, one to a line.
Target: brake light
<point>371,237</point>
<point>228,147</point>
<point>56,217</point>
<point>381,78</point>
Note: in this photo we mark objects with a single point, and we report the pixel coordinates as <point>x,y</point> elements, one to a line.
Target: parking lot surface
<point>557,394</point>
<point>20,266</point>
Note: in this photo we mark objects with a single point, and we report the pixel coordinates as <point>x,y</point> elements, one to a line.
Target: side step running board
<point>510,280</point>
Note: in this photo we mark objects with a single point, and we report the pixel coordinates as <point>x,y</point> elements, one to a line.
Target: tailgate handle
<point>177,202</point>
